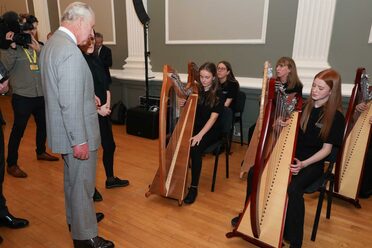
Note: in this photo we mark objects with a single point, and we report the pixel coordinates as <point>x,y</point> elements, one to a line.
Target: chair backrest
<point>225,120</point>
<point>240,102</point>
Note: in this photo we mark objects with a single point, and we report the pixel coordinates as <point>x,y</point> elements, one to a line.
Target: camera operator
<point>22,62</point>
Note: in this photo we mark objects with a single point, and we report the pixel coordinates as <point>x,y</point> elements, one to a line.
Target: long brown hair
<point>230,76</point>
<point>212,98</point>
<point>334,103</point>
<point>292,80</point>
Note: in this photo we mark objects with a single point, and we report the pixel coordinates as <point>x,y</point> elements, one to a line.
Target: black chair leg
<point>227,153</point>
<point>241,129</point>
<point>215,171</point>
<point>329,199</point>
<point>317,215</point>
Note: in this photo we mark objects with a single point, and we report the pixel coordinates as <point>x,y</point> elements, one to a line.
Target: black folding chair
<point>225,120</point>
<point>321,185</point>
<point>238,113</point>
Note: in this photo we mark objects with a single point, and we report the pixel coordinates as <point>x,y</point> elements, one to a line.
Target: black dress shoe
<point>235,221</point>
<point>46,156</point>
<point>96,242</point>
<point>97,197</point>
<point>99,216</point>
<point>191,195</point>
<point>13,222</point>
<point>114,182</point>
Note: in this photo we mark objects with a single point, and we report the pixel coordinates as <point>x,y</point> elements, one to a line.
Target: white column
<point>312,37</point>
<point>134,66</point>
<point>42,14</point>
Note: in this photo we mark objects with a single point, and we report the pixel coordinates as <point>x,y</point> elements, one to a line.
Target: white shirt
<point>69,33</point>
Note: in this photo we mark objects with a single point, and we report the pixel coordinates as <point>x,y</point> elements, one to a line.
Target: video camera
<point>10,22</point>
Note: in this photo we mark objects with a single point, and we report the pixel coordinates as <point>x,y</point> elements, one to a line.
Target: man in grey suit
<point>72,123</point>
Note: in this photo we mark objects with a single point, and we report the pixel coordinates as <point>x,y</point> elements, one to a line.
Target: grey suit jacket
<point>67,82</point>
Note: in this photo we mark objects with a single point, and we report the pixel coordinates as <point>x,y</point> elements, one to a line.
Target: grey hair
<point>76,10</point>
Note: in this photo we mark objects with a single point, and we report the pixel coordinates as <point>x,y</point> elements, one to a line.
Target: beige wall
<point>105,16</point>
<point>19,6</point>
<point>120,49</point>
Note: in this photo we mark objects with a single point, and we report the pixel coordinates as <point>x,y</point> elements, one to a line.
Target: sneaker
<point>114,182</point>
<point>97,197</point>
<point>236,132</point>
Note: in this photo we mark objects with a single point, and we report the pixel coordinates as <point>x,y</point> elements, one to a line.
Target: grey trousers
<point>79,183</point>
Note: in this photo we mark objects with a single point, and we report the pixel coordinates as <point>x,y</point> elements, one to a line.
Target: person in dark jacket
<point>103,96</point>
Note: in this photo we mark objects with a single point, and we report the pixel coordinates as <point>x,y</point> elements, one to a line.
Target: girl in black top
<point>286,75</point>
<point>103,97</point>
<point>321,127</point>
<point>229,85</point>
<point>206,130</point>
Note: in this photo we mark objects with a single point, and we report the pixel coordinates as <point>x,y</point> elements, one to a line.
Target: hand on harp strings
<point>281,122</point>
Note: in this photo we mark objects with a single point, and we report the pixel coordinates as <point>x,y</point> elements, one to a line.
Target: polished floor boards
<point>132,220</point>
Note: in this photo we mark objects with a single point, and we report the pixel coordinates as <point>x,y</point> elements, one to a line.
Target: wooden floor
<point>132,220</point>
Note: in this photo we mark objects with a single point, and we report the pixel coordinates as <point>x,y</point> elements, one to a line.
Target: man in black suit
<point>6,219</point>
<point>104,53</point>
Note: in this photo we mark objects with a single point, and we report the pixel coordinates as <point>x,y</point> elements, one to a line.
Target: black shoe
<point>1,240</point>
<point>191,195</point>
<point>46,156</point>
<point>114,182</point>
<point>97,197</point>
<point>99,216</point>
<point>96,242</point>
<point>235,221</point>
<point>13,222</point>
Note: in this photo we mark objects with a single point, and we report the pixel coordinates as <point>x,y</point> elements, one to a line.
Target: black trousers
<point>23,108</point>
<point>108,144</point>
<point>196,153</point>
<point>294,224</point>
<point>3,208</point>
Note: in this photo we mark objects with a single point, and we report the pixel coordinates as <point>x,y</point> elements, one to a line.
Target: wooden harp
<point>174,139</point>
<point>250,154</point>
<point>262,220</point>
<point>352,155</point>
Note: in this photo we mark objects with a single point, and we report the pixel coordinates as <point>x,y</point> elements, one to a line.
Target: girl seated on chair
<point>229,85</point>
<point>321,127</point>
<point>206,129</point>
<point>287,77</point>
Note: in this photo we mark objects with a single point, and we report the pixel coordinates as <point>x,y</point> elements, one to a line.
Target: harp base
<point>251,240</point>
<point>355,202</point>
<point>149,193</point>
